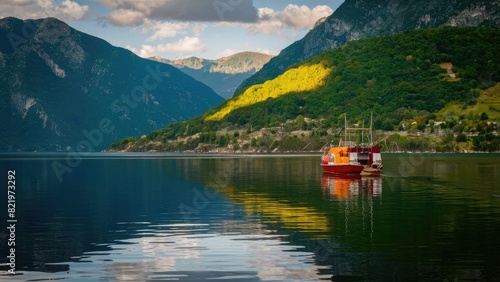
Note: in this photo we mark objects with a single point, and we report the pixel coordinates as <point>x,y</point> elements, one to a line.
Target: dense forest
<point>405,80</point>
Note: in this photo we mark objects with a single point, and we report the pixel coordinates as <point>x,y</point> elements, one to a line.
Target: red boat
<point>350,158</point>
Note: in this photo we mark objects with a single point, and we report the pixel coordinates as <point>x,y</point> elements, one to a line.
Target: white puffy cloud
<point>66,10</point>
<point>267,52</point>
<point>147,51</point>
<point>163,30</point>
<point>183,46</point>
<point>70,10</point>
<point>300,17</point>
<point>293,17</point>
<point>125,17</point>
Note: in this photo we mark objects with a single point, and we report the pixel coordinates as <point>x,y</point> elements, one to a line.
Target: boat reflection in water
<point>357,198</point>
<point>342,187</point>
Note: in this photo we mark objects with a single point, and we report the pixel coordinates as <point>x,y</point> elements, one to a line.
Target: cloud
<point>66,10</point>
<point>293,17</point>
<point>163,29</point>
<point>267,52</point>
<point>125,17</point>
<point>71,11</point>
<point>185,10</point>
<point>146,51</point>
<point>198,29</point>
<point>184,46</point>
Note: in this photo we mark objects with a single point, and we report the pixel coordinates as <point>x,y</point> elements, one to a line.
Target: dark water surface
<point>158,217</point>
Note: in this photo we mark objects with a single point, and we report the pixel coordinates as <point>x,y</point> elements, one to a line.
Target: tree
<point>461,138</point>
<point>388,124</point>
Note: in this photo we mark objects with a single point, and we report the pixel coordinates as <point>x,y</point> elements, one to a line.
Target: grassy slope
<point>488,102</point>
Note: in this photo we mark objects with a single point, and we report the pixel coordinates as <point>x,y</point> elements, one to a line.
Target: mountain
<point>419,70</point>
<point>222,75</point>
<point>61,89</point>
<point>356,19</point>
<point>403,79</point>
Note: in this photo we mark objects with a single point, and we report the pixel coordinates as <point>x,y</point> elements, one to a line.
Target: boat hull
<point>342,168</point>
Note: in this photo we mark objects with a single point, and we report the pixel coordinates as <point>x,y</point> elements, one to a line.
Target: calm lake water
<point>157,217</point>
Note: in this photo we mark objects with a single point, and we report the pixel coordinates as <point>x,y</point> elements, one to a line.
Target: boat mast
<point>363,134</point>
<point>371,129</point>
<point>347,131</point>
<point>345,127</point>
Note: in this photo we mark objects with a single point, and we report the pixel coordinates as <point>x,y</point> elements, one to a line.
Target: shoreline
<point>213,153</point>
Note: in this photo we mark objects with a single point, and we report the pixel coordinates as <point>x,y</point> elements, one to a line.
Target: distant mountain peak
<point>242,62</point>
<point>246,53</point>
<point>223,74</point>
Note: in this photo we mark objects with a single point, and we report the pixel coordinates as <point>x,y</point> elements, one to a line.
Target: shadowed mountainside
<point>61,89</point>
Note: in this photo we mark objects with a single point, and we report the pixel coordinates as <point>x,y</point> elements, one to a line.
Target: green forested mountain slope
<point>356,19</point>
<point>398,77</point>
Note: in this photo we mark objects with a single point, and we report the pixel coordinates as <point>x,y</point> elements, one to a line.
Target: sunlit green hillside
<point>307,77</point>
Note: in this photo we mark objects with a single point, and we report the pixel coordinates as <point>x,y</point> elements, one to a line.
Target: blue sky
<point>181,28</point>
